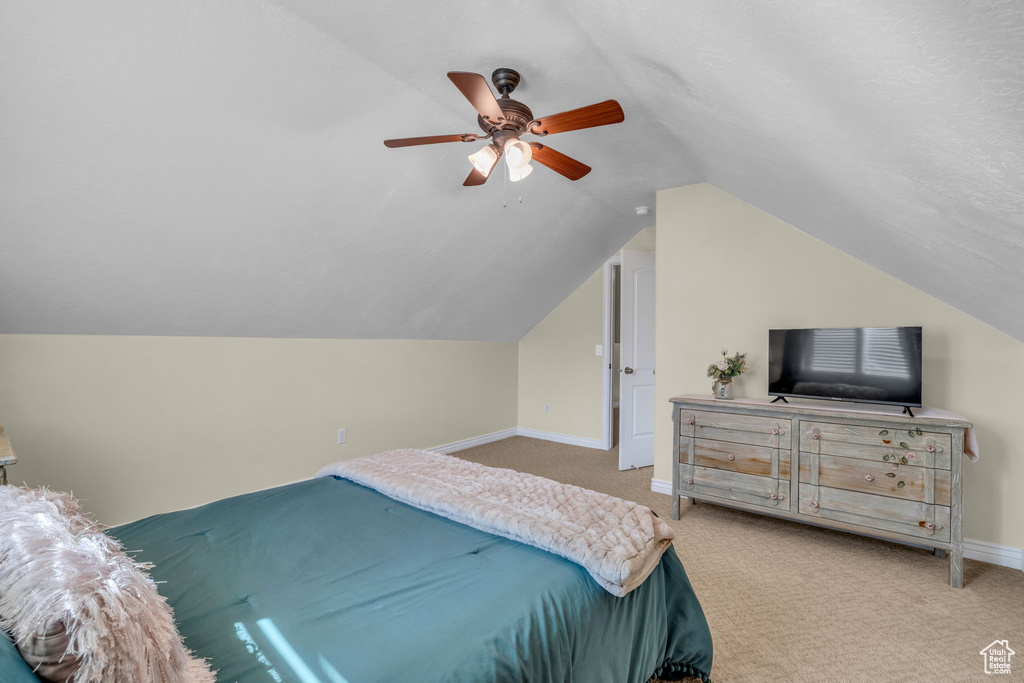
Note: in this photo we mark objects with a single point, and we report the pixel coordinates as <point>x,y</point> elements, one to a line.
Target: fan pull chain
<point>504,188</point>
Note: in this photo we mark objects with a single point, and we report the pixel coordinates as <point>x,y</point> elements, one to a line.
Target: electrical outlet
<point>598,349</point>
<point>547,407</point>
<point>342,435</point>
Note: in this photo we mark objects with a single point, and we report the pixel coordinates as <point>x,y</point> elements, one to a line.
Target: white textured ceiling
<point>216,168</point>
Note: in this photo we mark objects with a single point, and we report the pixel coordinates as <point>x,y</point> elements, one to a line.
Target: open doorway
<point>629,342</point>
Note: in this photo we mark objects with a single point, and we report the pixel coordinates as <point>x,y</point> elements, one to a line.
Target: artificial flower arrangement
<point>729,367</point>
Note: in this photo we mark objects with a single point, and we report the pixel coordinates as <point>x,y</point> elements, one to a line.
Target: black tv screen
<point>862,364</point>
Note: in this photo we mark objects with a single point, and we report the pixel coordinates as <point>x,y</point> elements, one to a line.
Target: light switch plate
<point>599,350</point>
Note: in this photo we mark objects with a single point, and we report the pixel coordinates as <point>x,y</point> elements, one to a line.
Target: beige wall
<point>644,240</point>
<point>140,425</point>
<point>727,272</point>
<point>557,364</point>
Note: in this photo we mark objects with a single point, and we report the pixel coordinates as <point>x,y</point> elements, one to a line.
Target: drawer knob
<point>693,422</point>
<point>689,481</point>
<point>869,477</point>
<point>929,525</point>
<point>930,449</point>
<point>814,504</point>
<point>732,457</point>
<point>815,435</point>
<point>775,432</point>
<point>775,496</point>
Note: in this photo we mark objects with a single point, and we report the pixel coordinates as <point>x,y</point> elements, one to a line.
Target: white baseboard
<point>561,438</point>
<point>661,486</point>
<point>520,431</point>
<point>474,441</point>
<point>983,551</point>
<point>994,553</point>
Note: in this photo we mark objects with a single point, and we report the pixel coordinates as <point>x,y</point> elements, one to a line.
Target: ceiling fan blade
<point>475,88</point>
<point>429,140</point>
<point>600,114</point>
<point>475,177</point>
<point>558,162</point>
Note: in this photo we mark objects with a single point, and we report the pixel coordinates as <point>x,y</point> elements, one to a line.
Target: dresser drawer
<point>908,517</point>
<point>749,429</point>
<point>908,445</point>
<point>761,461</point>
<point>736,486</point>
<point>880,478</point>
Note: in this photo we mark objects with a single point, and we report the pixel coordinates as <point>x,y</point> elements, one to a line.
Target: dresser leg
<point>675,506</point>
<point>956,567</point>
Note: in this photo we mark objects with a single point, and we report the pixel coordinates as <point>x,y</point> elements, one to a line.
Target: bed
<point>327,580</point>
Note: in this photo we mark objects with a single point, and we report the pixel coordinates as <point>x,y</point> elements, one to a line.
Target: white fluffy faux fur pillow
<point>56,566</point>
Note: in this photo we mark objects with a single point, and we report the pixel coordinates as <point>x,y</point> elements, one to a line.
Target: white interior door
<point>636,374</point>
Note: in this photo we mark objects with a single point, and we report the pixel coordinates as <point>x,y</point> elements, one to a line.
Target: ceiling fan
<point>505,120</point>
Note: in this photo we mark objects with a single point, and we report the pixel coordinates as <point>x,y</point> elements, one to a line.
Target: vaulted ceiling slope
<point>205,168</point>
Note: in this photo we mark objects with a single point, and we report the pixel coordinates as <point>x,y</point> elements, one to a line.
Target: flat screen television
<point>861,364</point>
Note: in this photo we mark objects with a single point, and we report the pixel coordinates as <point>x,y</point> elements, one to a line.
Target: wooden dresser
<point>866,469</point>
<point>7,456</point>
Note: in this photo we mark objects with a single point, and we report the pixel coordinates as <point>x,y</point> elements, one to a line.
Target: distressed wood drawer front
<point>736,457</point>
<point>875,512</point>
<point>881,444</point>
<point>918,483</point>
<point>745,488</point>
<point>751,429</point>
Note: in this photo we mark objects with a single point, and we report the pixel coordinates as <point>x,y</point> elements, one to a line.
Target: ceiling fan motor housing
<point>517,116</point>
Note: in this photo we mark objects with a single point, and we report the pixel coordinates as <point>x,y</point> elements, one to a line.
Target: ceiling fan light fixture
<point>517,174</point>
<point>484,160</point>
<point>517,154</point>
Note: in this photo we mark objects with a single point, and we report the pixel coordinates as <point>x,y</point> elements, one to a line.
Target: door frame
<point>608,374</point>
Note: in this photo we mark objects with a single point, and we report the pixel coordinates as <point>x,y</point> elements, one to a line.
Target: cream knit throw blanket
<point>617,541</point>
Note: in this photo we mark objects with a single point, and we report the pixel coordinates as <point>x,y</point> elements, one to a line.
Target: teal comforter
<point>326,580</point>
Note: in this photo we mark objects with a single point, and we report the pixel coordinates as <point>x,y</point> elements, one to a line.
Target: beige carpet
<point>790,602</point>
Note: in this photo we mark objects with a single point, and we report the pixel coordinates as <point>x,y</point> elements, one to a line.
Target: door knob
<point>628,371</point>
